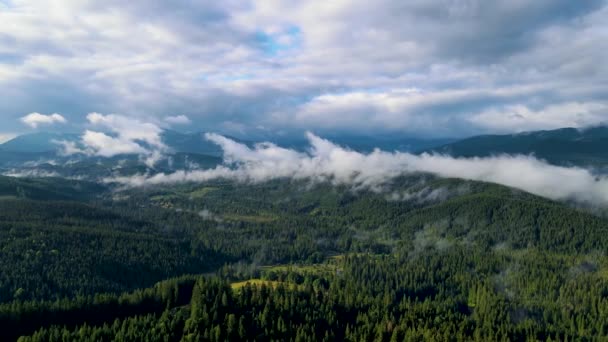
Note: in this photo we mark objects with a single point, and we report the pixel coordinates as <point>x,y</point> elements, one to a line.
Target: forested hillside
<point>566,146</point>
<point>432,258</point>
<point>56,189</point>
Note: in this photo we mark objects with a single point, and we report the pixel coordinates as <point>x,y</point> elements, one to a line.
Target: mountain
<point>190,143</point>
<point>32,148</point>
<point>43,142</point>
<point>12,158</point>
<point>566,146</point>
<point>36,155</point>
<point>37,142</point>
<point>365,143</point>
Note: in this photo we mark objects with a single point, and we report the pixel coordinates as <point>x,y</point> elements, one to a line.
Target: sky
<point>421,68</point>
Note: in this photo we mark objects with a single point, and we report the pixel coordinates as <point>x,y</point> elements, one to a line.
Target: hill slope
<point>566,146</point>
<point>37,142</point>
<point>55,189</point>
<point>503,264</point>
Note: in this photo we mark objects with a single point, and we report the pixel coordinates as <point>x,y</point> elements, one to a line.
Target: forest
<point>430,260</point>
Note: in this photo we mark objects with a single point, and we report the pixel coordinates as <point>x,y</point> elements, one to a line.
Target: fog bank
<point>325,161</point>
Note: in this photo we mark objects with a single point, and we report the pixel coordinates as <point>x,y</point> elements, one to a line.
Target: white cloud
<point>326,161</point>
<point>274,63</point>
<point>106,146</point>
<point>128,129</point>
<point>36,119</point>
<point>32,173</point>
<point>435,113</point>
<point>178,120</point>
<point>126,136</point>
<point>68,148</point>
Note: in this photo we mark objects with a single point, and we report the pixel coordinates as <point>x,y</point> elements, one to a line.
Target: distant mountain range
<point>40,142</point>
<point>566,146</point>
<point>44,142</point>
<point>365,143</point>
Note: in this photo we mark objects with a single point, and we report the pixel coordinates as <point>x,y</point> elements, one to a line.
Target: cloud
<point>207,215</point>
<point>327,162</point>
<point>106,146</point>
<point>68,148</point>
<point>31,173</point>
<point>274,63</point>
<point>129,129</point>
<point>125,136</point>
<point>178,120</point>
<point>428,194</point>
<point>409,109</point>
<point>36,119</point>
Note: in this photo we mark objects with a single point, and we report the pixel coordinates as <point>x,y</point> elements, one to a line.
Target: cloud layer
<point>327,162</point>
<point>434,67</point>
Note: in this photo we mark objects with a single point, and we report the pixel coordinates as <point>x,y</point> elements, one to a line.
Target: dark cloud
<point>487,32</point>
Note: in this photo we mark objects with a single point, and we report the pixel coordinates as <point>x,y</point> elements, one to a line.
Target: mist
<point>325,161</point>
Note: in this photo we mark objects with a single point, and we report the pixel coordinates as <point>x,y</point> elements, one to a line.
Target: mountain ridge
<point>565,146</point>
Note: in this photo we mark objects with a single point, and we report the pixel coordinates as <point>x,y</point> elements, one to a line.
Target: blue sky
<point>433,68</point>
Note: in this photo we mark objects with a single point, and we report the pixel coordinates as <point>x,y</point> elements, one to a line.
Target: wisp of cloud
<point>325,161</point>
